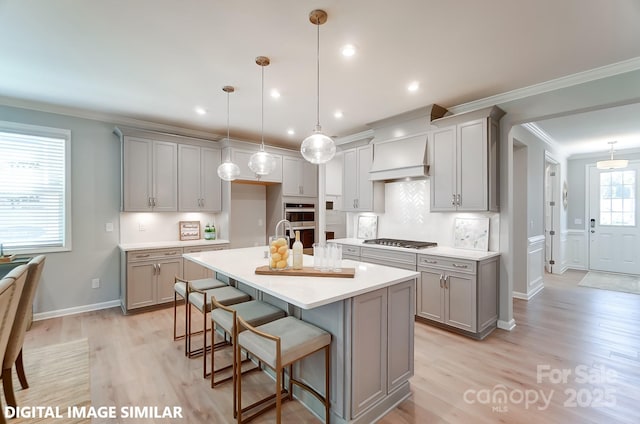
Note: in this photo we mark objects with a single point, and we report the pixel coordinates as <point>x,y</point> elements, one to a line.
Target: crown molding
<point>117,120</point>
<point>545,137</point>
<point>547,86</point>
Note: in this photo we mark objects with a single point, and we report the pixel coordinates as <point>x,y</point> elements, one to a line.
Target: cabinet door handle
<point>459,200</point>
<point>153,201</point>
<point>158,269</point>
<point>202,202</point>
<point>173,252</point>
<point>142,256</point>
<point>149,202</point>
<point>446,282</point>
<point>441,284</point>
<point>453,199</point>
<point>155,269</point>
<point>429,261</point>
<point>460,266</point>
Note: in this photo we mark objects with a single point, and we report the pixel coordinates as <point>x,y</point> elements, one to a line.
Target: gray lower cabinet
<point>382,351</point>
<point>148,276</point>
<point>460,294</point>
<point>193,271</point>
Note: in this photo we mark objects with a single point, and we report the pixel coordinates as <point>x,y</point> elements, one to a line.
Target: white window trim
<point>38,130</point>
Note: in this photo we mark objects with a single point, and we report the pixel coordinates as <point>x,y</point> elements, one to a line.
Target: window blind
<point>32,190</point>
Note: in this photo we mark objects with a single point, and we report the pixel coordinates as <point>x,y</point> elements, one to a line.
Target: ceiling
<point>155,61</point>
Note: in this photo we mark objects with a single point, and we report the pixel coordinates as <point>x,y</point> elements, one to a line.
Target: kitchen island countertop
<point>303,292</point>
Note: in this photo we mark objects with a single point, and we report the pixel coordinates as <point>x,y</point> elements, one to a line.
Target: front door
<point>614,231</point>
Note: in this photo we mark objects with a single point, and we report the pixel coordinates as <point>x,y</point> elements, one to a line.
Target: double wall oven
<point>302,217</point>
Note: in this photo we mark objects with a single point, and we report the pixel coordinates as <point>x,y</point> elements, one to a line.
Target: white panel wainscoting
<point>535,268</point>
<point>577,253</point>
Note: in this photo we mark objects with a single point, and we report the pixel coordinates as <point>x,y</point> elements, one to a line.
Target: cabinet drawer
<point>155,254</point>
<point>350,250</point>
<point>196,249</point>
<point>383,255</point>
<point>460,265</point>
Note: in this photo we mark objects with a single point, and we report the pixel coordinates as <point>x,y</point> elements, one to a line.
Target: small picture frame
<point>189,230</point>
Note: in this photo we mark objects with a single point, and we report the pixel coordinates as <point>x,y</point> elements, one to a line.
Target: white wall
<point>248,203</point>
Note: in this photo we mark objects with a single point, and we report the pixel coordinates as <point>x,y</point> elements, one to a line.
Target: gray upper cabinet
<point>149,171</point>
<point>359,194</point>
<point>464,161</point>
<point>299,177</point>
<point>199,187</point>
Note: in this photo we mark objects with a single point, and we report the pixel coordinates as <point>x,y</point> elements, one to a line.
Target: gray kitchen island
<point>370,318</point>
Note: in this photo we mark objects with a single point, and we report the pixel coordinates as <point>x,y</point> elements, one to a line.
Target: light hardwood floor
<point>591,332</point>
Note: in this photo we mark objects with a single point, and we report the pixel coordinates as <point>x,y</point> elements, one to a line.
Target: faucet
<point>285,223</point>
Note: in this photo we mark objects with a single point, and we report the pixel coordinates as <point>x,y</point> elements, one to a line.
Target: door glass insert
<point>617,198</point>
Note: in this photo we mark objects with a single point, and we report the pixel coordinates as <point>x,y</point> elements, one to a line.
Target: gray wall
<point>576,182</point>
<point>95,200</point>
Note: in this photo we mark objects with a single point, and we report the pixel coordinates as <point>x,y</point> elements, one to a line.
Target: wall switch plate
<point>141,227</point>
<point>95,283</point>
<point>108,227</point>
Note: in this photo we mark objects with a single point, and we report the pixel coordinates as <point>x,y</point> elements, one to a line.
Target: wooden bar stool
<point>180,289</point>
<point>278,345</point>
<point>200,299</point>
<point>256,313</point>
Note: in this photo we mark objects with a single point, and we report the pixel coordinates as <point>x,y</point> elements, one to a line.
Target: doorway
<point>551,212</point>
<point>614,227</point>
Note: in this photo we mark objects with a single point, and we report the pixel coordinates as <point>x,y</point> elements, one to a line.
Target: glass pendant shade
<point>228,171</point>
<point>612,163</point>
<point>262,163</point>
<point>318,148</point>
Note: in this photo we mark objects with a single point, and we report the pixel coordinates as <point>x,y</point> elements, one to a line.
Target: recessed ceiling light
<point>275,94</point>
<point>338,114</point>
<point>200,110</point>
<point>348,50</point>
<point>290,131</point>
<point>413,86</point>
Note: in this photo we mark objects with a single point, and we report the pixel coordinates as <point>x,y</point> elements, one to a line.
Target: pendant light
<point>612,163</point>
<point>228,170</point>
<point>318,148</point>
<point>261,162</point>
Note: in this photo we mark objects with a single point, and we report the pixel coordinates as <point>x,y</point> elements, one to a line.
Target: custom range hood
<point>403,157</point>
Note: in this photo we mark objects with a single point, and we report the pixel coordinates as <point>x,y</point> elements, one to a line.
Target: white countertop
<point>450,252</point>
<point>127,247</point>
<point>304,292</point>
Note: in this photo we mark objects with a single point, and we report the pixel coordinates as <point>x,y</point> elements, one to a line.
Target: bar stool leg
<point>327,371</point>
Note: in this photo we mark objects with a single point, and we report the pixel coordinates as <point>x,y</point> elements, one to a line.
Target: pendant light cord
<point>228,140</point>
<point>262,111</point>
<point>318,76</point>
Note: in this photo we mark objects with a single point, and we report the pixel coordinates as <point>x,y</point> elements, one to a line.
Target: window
<point>34,188</point>
<point>617,198</point>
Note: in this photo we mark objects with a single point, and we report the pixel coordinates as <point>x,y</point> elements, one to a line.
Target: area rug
<point>607,281</point>
<point>58,377</point>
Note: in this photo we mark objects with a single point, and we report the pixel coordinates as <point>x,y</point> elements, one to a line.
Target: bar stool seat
<point>200,299</point>
<point>255,312</point>
<point>278,345</point>
<point>180,289</point>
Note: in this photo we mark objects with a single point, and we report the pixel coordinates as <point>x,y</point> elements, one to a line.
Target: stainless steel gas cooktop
<point>411,244</point>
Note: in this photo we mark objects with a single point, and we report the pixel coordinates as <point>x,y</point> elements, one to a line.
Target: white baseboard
<point>507,325</point>
<point>76,310</point>
<point>529,296</point>
<point>576,267</point>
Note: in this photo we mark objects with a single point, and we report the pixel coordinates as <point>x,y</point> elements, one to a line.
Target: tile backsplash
<point>407,215</point>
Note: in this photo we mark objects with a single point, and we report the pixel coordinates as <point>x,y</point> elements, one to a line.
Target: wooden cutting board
<point>4,259</point>
<point>308,271</point>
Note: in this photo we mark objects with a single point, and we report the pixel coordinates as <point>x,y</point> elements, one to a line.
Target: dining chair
<point>13,354</point>
<point>10,290</point>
